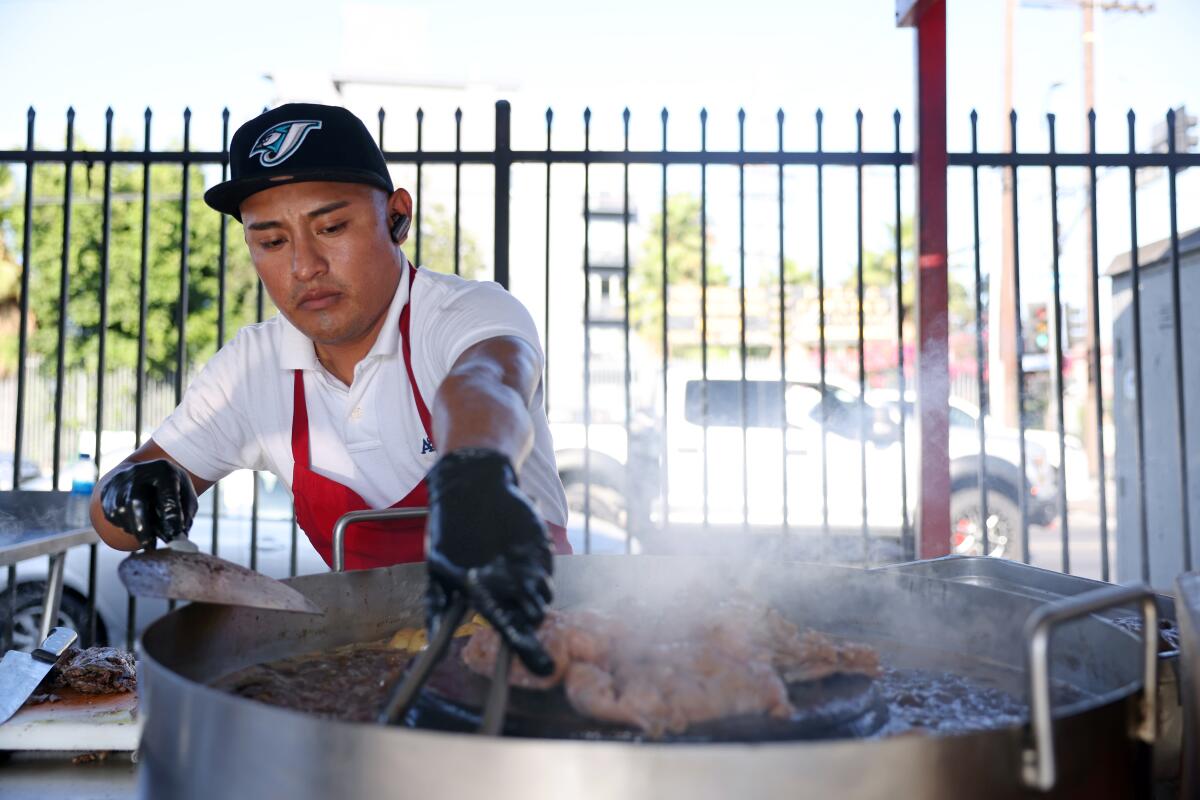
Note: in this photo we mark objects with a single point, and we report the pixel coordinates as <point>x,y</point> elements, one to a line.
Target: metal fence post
<point>933,372</point>
<point>503,156</point>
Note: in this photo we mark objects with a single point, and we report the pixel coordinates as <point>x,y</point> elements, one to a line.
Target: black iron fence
<point>631,329</point>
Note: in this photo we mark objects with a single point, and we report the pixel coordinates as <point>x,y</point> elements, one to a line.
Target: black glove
<point>487,542</point>
<point>150,498</point>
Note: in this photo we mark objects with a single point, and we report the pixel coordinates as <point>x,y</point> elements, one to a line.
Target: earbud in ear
<point>400,225</point>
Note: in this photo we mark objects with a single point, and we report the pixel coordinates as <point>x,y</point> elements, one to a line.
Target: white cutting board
<point>76,722</point>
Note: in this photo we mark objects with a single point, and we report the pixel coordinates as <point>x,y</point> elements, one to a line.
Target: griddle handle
<point>1039,770</point>
<point>405,691</point>
<point>369,515</point>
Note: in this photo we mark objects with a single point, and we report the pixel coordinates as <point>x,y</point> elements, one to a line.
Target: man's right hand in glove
<point>146,496</point>
<point>487,543</point>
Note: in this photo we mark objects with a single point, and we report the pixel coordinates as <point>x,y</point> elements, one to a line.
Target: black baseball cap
<point>298,142</point>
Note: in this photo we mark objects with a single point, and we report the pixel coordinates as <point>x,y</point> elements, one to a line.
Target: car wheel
<point>72,613</point>
<point>606,503</point>
<point>1003,527</point>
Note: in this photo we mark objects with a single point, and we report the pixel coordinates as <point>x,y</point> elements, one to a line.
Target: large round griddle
<point>200,742</point>
<point>840,706</point>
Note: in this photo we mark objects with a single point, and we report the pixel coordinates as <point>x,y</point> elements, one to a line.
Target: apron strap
<point>422,409</point>
<point>299,422</point>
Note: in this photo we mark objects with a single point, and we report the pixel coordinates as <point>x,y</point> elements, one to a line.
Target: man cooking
<point>378,385</point>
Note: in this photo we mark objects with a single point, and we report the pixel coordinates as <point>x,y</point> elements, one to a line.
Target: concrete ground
<point>53,776</point>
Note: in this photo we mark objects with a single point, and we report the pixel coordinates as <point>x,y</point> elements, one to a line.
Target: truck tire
<point>72,613</point>
<point>606,502</point>
<point>1004,524</point>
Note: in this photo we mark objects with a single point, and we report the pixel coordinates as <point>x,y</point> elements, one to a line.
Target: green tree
<point>163,264</point>
<point>683,265</point>
<point>793,275</point>
<point>437,245</point>
<point>879,271</point>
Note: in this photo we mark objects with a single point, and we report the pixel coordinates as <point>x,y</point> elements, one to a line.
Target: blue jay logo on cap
<point>276,144</point>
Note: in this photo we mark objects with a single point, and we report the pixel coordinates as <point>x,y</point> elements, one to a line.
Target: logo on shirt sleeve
<point>427,446</point>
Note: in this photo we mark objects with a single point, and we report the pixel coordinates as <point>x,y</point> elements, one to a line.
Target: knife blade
<point>20,673</point>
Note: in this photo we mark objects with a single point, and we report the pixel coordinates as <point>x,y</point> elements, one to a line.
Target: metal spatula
<point>20,673</point>
<point>180,571</point>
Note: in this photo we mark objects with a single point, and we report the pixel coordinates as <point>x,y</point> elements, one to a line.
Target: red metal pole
<point>933,368</point>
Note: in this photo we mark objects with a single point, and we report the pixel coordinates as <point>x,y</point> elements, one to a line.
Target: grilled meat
<point>579,636</point>
<point>678,669</point>
<point>97,670</point>
<point>348,683</point>
<point>675,685</point>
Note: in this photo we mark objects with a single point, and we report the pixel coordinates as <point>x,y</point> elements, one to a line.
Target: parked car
<point>31,474</point>
<point>720,477</point>
<point>1003,450</point>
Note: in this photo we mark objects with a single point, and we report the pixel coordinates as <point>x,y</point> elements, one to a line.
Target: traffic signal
<point>1041,328</point>
<point>1185,140</point>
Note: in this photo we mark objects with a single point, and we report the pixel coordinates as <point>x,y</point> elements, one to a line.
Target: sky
<point>761,55</point>
<point>757,55</point>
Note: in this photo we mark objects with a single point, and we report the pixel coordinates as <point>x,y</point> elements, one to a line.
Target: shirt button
<point>357,413</point>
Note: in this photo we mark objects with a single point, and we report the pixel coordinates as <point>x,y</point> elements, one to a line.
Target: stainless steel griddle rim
<point>405,693</point>
<point>1023,580</point>
<point>1038,767</point>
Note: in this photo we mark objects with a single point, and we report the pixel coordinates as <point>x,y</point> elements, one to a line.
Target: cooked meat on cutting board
<point>675,668</point>
<point>96,670</point>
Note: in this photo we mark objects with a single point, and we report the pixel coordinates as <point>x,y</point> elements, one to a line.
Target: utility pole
<point>1090,445</point>
<point>1002,344</point>
<point>1003,316</point>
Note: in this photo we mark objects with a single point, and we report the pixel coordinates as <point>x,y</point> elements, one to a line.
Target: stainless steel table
<point>36,524</point>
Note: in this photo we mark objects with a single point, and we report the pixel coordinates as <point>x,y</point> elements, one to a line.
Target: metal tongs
<point>404,693</point>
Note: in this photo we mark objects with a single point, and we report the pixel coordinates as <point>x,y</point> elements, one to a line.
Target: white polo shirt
<point>237,414</point>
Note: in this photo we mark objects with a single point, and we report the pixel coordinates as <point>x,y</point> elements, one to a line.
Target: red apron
<point>321,501</point>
